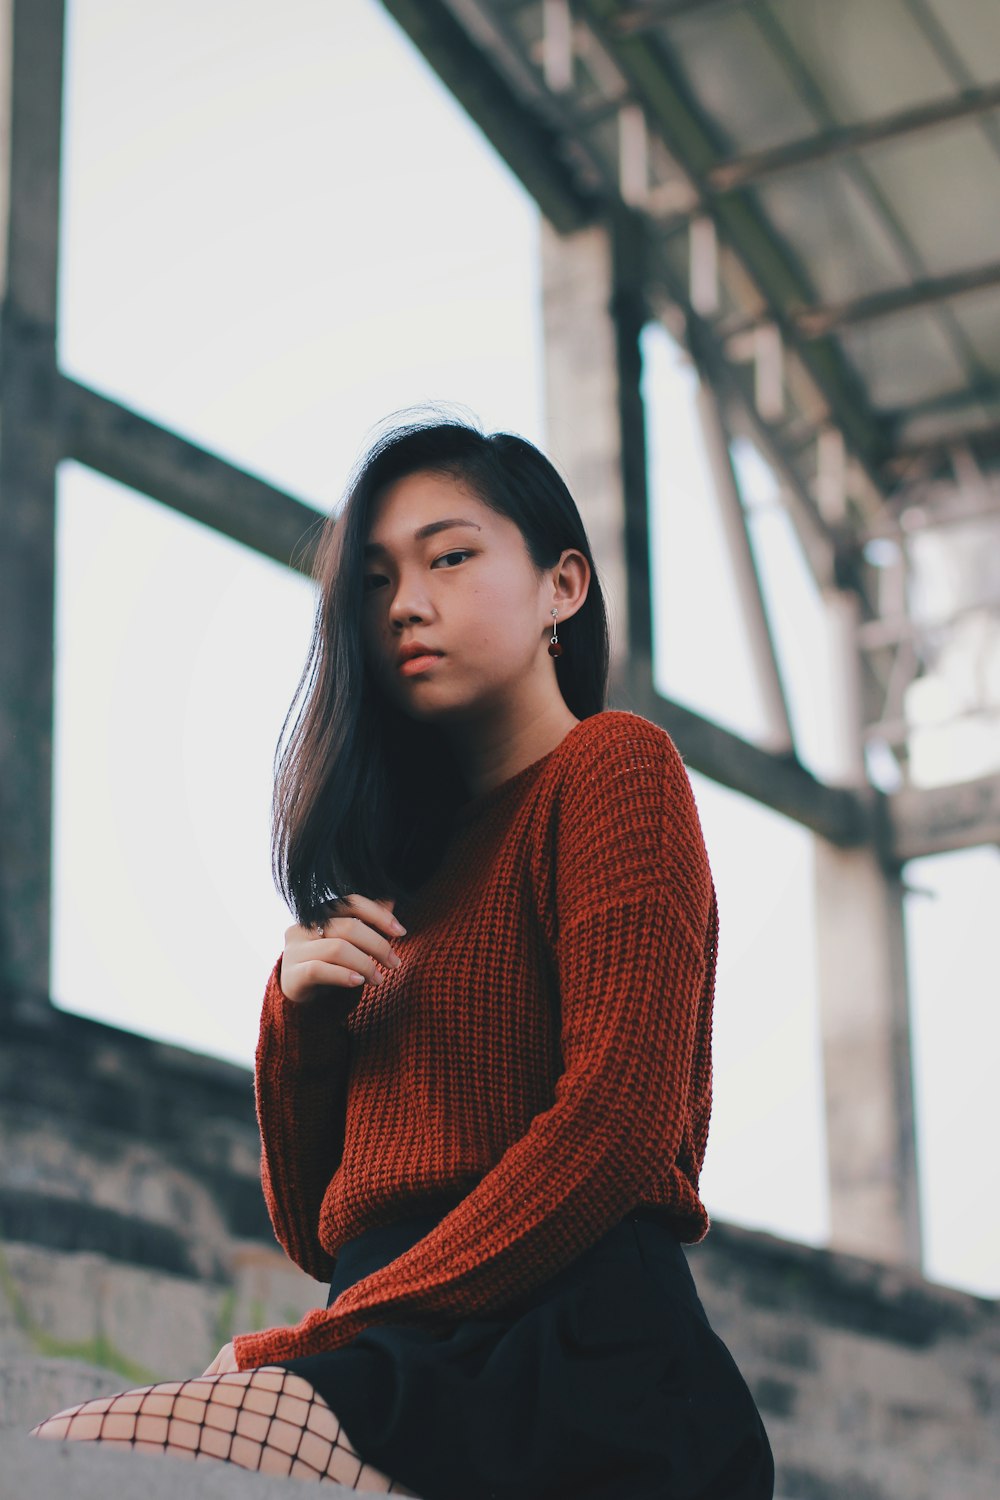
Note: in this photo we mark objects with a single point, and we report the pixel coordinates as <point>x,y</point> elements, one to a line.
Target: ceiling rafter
<point>983,440</point>
<point>821,319</point>
<point>782,282</point>
<point>780,38</point>
<point>646,15</point>
<point>986,393</point>
<point>637,78</point>
<point>740,171</point>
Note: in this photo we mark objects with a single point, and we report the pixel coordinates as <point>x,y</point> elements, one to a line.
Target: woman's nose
<point>407,608</point>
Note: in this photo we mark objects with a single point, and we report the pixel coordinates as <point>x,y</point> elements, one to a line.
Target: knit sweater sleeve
<point>633,897</point>
<point>300,1083</point>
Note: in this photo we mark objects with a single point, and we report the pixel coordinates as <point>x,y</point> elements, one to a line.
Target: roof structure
<point>818,187</point>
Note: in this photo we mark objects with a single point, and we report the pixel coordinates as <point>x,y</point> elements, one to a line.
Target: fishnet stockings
<point>268,1419</point>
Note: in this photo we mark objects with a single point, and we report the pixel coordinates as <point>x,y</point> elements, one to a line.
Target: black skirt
<point>606,1383</point>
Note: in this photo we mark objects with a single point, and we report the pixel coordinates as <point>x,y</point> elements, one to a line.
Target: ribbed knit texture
<point>544,1048</point>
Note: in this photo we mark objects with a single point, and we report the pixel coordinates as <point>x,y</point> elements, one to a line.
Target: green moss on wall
<point>96,1351</point>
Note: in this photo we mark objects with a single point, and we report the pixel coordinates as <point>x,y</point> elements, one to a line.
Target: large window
<point>277,229</point>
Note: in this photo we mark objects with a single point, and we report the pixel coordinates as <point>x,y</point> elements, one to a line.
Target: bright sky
<point>278,229</point>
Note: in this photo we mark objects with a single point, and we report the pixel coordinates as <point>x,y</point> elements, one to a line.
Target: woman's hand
<point>224,1362</point>
<point>339,950</point>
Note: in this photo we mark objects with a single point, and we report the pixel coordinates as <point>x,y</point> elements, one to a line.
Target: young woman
<point>483,1125</point>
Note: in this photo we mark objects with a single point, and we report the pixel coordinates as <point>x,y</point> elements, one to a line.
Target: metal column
<point>31,67</point>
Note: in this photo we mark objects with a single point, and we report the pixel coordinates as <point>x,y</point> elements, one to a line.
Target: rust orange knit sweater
<point>544,1048</point>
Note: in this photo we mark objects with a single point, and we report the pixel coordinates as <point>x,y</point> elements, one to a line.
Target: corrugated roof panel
<point>827,213</point>
<point>868,57</point>
<point>978,315</point>
<point>903,359</point>
<point>944,186</point>
<point>841,241</point>
<point>736,78</point>
<point>971,29</point>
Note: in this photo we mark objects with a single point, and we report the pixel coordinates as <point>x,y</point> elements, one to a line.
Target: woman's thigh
<point>268,1419</point>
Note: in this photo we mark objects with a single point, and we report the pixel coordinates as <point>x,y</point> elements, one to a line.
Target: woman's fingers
<point>315,973</point>
<point>379,912</point>
<point>345,950</point>
<point>224,1362</point>
<point>359,948</point>
<point>342,950</point>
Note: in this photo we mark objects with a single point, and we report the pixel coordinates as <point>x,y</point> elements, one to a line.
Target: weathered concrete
<point>864,1000</point>
<point>873,1383</point>
<point>134,1242</point>
<point>133,1231</point>
<point>582,409</point>
<point>45,1470</point>
<point>33,1387</point>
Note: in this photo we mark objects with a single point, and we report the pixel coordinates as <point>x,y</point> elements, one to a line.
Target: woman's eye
<point>374,577</point>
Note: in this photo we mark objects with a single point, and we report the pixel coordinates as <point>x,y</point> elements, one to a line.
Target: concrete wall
<point>873,1383</point>
<point>133,1230</point>
<point>134,1242</point>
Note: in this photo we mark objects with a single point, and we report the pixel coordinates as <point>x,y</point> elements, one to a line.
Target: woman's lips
<point>415,664</point>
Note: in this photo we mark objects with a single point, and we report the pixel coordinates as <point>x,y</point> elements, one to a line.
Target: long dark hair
<point>363,793</point>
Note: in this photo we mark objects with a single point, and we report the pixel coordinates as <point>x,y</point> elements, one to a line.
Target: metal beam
<point>936,502</point>
<point>129,448</point>
<point>691,139</point>
<point>31,69</point>
<point>486,70</point>
<point>134,451</point>
<point>646,15</point>
<point>819,321</point>
<point>984,442</point>
<point>739,171</point>
<point>818,543</point>
<point>938,819</point>
<point>985,392</point>
<point>778,30</point>
<point>628,312</point>
<point>845,816</point>
<point>876,635</point>
<point>822,319</point>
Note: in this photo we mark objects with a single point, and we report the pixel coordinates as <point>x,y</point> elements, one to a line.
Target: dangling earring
<point>555,649</point>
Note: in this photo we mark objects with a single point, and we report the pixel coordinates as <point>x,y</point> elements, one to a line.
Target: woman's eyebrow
<point>371,548</point>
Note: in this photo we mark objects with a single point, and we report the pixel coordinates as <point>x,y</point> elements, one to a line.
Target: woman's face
<point>467,591</point>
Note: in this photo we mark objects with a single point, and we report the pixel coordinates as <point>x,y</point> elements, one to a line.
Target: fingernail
<point>398,926</point>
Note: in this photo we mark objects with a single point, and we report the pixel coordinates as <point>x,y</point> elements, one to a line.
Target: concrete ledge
<point>47,1469</point>
<point>32,1388</point>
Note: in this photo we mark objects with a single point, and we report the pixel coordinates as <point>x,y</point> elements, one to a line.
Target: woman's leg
<point>268,1419</point>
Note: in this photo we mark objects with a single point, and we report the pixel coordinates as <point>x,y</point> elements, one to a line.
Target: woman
<point>483,1125</point>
